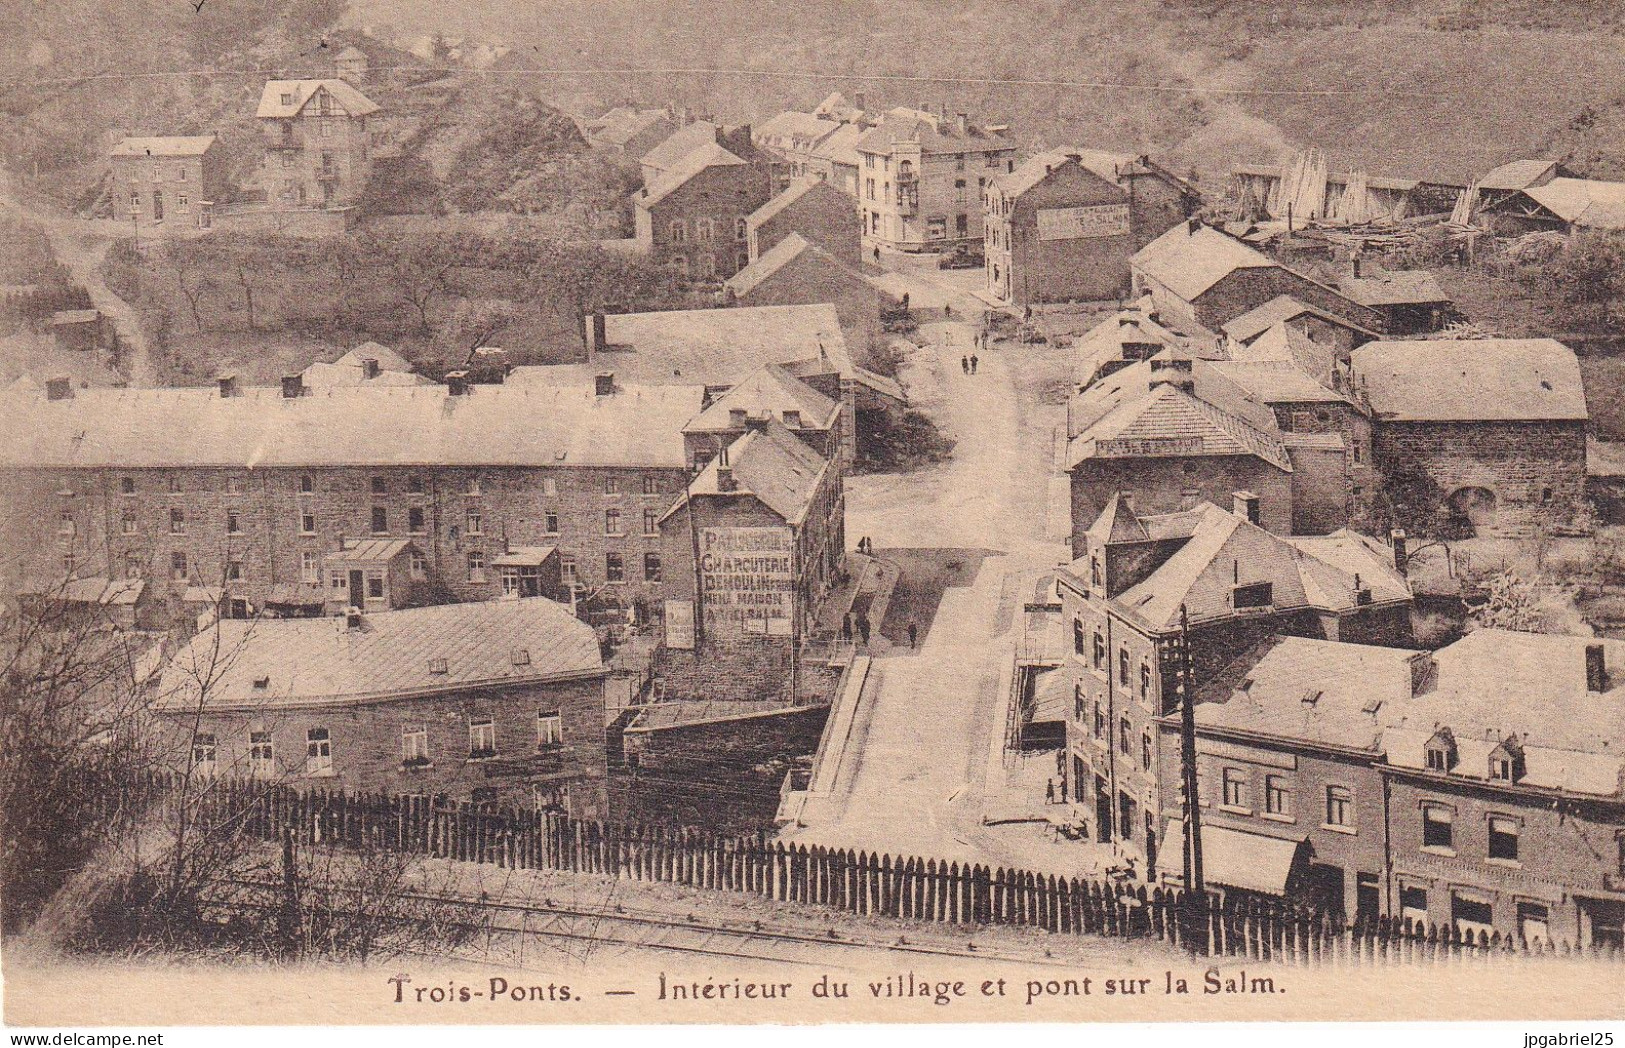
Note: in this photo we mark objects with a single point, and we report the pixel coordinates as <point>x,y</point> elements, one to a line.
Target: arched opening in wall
<point>1472,510</point>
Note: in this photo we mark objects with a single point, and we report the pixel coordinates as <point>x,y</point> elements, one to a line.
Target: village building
<point>816,210</point>
<point>671,152</point>
<point>489,703</point>
<point>792,136</point>
<point>1062,225</point>
<point>168,183</point>
<point>351,65</point>
<point>1408,301</point>
<point>765,521</point>
<point>771,392</point>
<point>1499,185</point>
<point>1132,335</point>
<point>1482,436</point>
<point>1146,589</point>
<point>368,364</point>
<point>1198,275</point>
<point>1300,319</point>
<point>1567,205</point>
<point>924,176</point>
<point>835,158</point>
<point>629,132</point>
<point>78,330</point>
<point>317,143</point>
<point>694,216</point>
<point>794,272</point>
<point>1301,189</point>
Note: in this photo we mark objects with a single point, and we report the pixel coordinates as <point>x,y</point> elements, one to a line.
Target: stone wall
<point>1160,485</point>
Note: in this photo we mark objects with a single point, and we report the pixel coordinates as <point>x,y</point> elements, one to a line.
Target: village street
<point>924,758</point>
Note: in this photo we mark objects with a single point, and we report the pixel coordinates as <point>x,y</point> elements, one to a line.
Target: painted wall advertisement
<point>1083,223</point>
<point>747,579</point>
<point>680,625</point>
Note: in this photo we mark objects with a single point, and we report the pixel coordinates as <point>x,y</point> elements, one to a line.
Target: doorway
<point>358,589</point>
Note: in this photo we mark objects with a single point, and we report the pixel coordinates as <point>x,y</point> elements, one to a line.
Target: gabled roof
<point>510,424</point>
<point>1316,691</point>
<point>680,143</point>
<point>1260,319</point>
<point>369,551</point>
<point>1394,287</point>
<point>300,92</point>
<point>1038,167</point>
<point>1518,174</point>
<point>306,662</point>
<point>934,134</point>
<point>701,158</point>
<point>803,129</point>
<point>835,105</point>
<point>795,192</point>
<point>1471,380</point>
<point>1276,382</point>
<point>1583,201</point>
<point>620,126</point>
<point>1117,523</point>
<point>770,390</point>
<point>1141,426</point>
<point>839,147</point>
<point>1188,263</point>
<point>388,359</point>
<point>167,145</point>
<point>772,465</point>
<point>770,262</point>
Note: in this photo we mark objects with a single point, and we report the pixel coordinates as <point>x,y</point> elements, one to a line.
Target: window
<point>203,753</point>
<point>612,522</point>
<point>308,571</point>
<point>1533,918</point>
<point>482,738</point>
<point>415,746</point>
<point>177,567</point>
<point>1124,729</point>
<point>612,485</point>
<point>1077,703</point>
<point>234,522</point>
<point>1413,904</point>
<point>66,524</point>
<point>1471,915</point>
<point>1100,720</point>
<point>307,523</point>
<point>132,566</point>
<point>1145,682</point>
<point>1437,829</point>
<point>234,485</point>
<point>651,485</point>
<point>1277,796</point>
<point>651,522</point>
<point>261,755</point>
<point>550,486</point>
<point>126,485</point>
<point>472,490</point>
<point>177,521</point>
<point>1339,806</point>
<point>1235,789</point>
<point>476,565</point>
<point>1255,595</point>
<point>318,752</point>
<point>475,523</point>
<point>414,520</point>
<point>1122,667</point>
<point>287,100</point>
<point>1145,751</point>
<point>1503,838</point>
<point>1077,636</point>
<point>414,485</point>
<point>679,231</point>
<point>651,567</point>
<point>550,521</point>
<point>379,486</point>
<point>380,520</point>
<point>420,566</point>
<point>1100,651</point>
<point>549,728</point>
<point>234,571</point>
<point>375,585</point>
<point>614,568</point>
<point>307,484</point>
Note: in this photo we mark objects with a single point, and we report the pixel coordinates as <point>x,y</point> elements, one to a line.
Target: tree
<point>192,282</point>
<point>1589,268</point>
<point>1512,604</point>
<point>418,267</point>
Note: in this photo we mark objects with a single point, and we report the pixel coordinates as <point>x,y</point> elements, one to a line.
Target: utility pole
<point>1195,886</point>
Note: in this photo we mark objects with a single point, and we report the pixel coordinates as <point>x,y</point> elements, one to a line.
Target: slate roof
<point>369,551</point>
<point>1260,319</point>
<point>1040,166</point>
<point>1471,380</point>
<point>701,159</point>
<point>801,129</point>
<point>519,425</point>
<point>840,147</point>
<point>934,134</point>
<point>1103,343</point>
<point>1396,287</point>
<point>165,145</point>
<point>326,376</point>
<point>349,98</point>
<point>1276,381</point>
<point>770,390</point>
<point>768,263</point>
<point>1167,412</point>
<point>388,359</point>
<point>680,143</point>
<point>1518,174</point>
<point>796,190</point>
<point>1583,201</point>
<point>1188,264</point>
<point>619,126</point>
<point>1279,344</point>
<point>310,662</point>
<point>1316,691</point>
<point>1117,522</point>
<point>720,346</point>
<point>771,464</point>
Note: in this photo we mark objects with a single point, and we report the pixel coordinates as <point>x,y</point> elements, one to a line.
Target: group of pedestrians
<point>969,363</point>
<point>864,628</point>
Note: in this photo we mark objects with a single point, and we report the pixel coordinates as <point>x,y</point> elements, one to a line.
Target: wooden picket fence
<point>862,883</point>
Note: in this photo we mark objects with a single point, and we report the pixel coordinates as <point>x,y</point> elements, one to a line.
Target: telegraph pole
<point>1195,886</point>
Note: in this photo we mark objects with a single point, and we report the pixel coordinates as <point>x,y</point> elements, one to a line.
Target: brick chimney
<point>737,418</point>
<point>962,124</point>
<point>725,478</point>
<point>457,383</point>
<point>596,339</point>
<point>228,386</point>
<point>1354,263</point>
<point>1596,668</point>
<point>1402,559</point>
<point>603,384</point>
<point>58,388</point>
<point>369,367</point>
<point>756,423</point>
<point>293,386</point>
<point>1244,504</point>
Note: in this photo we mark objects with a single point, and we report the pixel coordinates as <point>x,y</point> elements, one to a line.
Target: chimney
<point>1244,504</point>
<point>792,418</point>
<point>725,479</point>
<point>962,123</point>
<point>1596,669</point>
<point>603,384</point>
<point>858,101</point>
<point>737,418</point>
<point>457,383</point>
<point>1192,225</point>
<point>59,388</point>
<point>756,423</point>
<point>596,339</point>
<point>228,386</point>
<point>352,617</point>
<point>1402,559</point>
<point>369,367</point>
<point>293,386</point>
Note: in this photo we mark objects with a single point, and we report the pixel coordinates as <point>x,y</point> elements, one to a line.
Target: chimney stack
<point>725,479</point>
<point>369,367</point>
<point>293,386</point>
<point>1596,669</point>
<point>858,101</point>
<point>756,423</point>
<point>1354,263</point>
<point>1192,225</point>
<point>457,383</point>
<point>228,386</point>
<point>59,388</point>
<point>737,417</point>
<point>603,384</point>
<point>596,339</point>
<point>352,617</point>
<point>1402,560</point>
<point>962,123</point>
<point>1244,504</point>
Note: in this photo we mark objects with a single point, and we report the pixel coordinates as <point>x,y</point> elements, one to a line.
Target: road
<point>923,750</point>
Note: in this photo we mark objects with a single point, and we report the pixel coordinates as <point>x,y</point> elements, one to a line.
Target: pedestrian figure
<point>913,634</point>
<point>905,294</point>
<point>947,309</point>
<point>846,627</point>
<point>964,364</point>
<point>1049,791</point>
<point>863,629</point>
<point>973,363</point>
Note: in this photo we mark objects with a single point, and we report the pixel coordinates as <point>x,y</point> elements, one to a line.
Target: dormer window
<point>1506,761</point>
<point>287,98</point>
<point>1441,751</point>
<point>1096,577</point>
<point>1254,595</point>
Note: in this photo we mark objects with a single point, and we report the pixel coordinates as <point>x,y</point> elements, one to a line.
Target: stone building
<point>492,703</point>
<point>1143,586</point>
<point>794,272</point>
<point>1409,301</point>
<point>923,177</point>
<point>1303,321</point>
<point>629,132</point>
<point>317,143</point>
<point>816,210</point>
<point>167,183</point>
<point>691,135</point>
<point>1197,275</point>
<point>694,216</point>
<point>1485,435</point>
